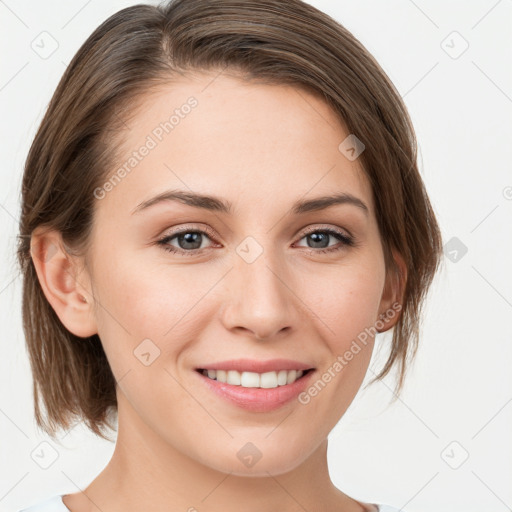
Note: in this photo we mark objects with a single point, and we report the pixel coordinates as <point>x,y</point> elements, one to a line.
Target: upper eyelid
<point>187,229</point>
<point>308,230</point>
<point>312,229</point>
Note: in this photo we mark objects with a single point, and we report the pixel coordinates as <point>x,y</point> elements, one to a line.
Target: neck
<point>146,472</point>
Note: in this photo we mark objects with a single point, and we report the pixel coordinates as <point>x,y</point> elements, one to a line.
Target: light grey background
<point>457,401</point>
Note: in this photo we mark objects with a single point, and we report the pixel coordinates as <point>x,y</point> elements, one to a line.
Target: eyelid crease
<point>345,239</point>
<point>185,228</point>
<point>315,228</point>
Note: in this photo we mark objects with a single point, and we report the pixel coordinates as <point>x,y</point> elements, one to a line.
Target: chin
<point>253,459</point>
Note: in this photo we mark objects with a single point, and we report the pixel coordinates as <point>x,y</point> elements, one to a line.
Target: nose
<point>259,298</point>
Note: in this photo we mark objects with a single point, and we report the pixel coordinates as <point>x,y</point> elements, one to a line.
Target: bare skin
<point>262,148</point>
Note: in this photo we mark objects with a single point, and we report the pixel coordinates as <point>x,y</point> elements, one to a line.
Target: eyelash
<point>342,237</point>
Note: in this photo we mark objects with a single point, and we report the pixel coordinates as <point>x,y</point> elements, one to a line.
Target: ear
<point>58,272</point>
<point>392,294</point>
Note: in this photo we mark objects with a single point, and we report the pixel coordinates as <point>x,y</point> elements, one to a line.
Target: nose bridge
<point>261,300</point>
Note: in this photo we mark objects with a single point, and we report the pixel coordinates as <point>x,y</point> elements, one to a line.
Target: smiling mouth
<point>265,380</point>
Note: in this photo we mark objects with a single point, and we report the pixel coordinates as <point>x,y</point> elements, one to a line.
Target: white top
<point>55,504</point>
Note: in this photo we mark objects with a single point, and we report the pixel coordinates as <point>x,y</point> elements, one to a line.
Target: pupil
<point>190,238</point>
<point>317,239</point>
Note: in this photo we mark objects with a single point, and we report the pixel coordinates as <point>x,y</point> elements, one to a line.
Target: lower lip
<point>258,399</point>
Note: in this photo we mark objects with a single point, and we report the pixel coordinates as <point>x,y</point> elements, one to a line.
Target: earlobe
<point>392,295</point>
<point>58,274</point>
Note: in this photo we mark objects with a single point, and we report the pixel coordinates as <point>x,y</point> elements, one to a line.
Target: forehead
<point>255,143</point>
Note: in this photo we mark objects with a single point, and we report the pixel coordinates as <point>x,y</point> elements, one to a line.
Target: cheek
<point>140,302</point>
<point>172,305</point>
<point>346,303</point>
<point>346,299</point>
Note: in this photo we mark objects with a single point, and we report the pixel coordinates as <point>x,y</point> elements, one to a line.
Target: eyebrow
<point>216,204</point>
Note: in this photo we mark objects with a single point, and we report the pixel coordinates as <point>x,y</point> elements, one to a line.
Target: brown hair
<point>273,41</point>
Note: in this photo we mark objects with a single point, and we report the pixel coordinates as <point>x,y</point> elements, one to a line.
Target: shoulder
<point>52,504</point>
<point>55,504</point>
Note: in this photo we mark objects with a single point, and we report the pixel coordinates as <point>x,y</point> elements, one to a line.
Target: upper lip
<point>253,365</point>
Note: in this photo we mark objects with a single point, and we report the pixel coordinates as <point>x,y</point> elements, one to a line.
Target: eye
<point>320,237</point>
<point>190,241</point>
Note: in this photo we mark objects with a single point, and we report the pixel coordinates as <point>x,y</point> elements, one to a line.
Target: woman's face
<point>251,281</point>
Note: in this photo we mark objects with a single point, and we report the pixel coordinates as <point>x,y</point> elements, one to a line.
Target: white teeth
<point>249,380</point>
<point>233,377</point>
<point>282,378</point>
<point>268,380</point>
<point>255,380</point>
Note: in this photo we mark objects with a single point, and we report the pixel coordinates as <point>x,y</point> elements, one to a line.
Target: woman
<point>220,210</point>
